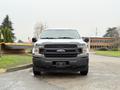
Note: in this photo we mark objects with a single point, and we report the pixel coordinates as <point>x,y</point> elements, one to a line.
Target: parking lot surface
<point>104,74</point>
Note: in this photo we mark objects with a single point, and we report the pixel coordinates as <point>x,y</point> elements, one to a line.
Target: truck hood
<point>61,41</point>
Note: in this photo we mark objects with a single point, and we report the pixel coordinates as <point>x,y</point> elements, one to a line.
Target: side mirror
<point>34,40</point>
<point>86,40</point>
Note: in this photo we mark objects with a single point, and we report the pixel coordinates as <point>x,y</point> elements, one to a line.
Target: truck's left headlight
<point>84,49</point>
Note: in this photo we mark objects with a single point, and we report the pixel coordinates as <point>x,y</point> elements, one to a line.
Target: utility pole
<point>96,34</point>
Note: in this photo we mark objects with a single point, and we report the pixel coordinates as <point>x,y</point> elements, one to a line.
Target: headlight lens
<point>38,50</point>
<point>84,49</point>
<point>35,50</point>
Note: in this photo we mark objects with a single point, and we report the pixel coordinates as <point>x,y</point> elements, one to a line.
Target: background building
<point>100,42</point>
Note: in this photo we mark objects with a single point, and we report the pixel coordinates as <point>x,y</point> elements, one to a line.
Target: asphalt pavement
<point>104,74</point>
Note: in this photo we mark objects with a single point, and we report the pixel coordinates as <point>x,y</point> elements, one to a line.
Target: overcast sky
<point>84,15</point>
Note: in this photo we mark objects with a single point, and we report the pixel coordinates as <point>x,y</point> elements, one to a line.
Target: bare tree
<point>39,27</point>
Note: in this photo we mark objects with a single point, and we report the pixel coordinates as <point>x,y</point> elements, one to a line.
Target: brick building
<point>100,42</point>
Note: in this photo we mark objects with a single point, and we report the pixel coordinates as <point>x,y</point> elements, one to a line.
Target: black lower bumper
<point>60,64</point>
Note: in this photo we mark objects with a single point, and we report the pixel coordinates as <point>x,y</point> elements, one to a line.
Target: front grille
<point>60,46</point>
<point>60,55</point>
<point>68,50</point>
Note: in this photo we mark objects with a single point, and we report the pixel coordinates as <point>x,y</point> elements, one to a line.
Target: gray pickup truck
<point>60,50</point>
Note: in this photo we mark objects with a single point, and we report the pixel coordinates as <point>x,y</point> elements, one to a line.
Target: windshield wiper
<point>48,38</point>
<point>65,38</point>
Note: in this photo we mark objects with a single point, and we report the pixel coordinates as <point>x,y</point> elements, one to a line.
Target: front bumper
<point>78,63</point>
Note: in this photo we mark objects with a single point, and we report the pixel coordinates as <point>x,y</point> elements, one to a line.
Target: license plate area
<point>60,63</point>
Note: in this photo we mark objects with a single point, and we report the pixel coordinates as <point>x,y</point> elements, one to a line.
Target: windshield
<point>60,34</point>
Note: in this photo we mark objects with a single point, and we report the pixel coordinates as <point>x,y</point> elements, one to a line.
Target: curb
<point>19,68</point>
<point>107,56</point>
<point>91,52</point>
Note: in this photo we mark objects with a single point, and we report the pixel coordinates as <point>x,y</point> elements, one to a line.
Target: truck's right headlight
<point>35,50</point>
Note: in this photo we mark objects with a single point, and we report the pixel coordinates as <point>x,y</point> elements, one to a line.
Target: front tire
<point>35,72</point>
<point>84,72</point>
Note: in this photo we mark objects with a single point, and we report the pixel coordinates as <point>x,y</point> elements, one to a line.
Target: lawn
<point>109,53</point>
<point>8,61</point>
